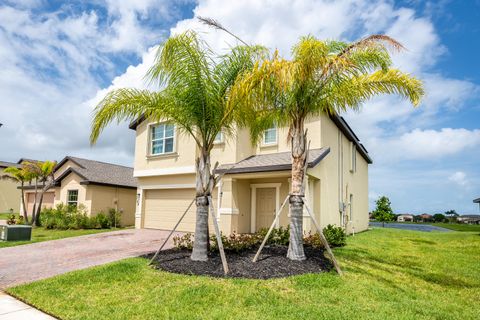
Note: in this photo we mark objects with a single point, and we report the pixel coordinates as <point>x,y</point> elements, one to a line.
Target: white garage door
<point>164,207</point>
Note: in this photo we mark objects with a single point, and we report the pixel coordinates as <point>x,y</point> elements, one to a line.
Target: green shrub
<point>280,236</point>
<point>12,219</point>
<point>115,217</point>
<point>65,217</point>
<point>103,220</point>
<point>335,236</point>
<point>183,242</point>
<point>235,242</point>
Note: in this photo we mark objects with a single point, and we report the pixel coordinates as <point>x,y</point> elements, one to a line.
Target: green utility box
<point>15,232</point>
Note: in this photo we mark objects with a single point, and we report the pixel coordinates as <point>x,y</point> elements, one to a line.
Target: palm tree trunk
<point>25,215</point>
<point>35,201</point>
<point>295,248</point>
<point>204,188</point>
<point>36,222</point>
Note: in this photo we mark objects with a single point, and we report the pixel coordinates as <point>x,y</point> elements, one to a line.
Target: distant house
<point>405,217</point>
<point>9,194</point>
<point>98,186</point>
<point>469,219</point>
<point>426,217</point>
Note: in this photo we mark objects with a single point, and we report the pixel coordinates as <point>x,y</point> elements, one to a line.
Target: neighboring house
<point>477,201</point>
<point>405,217</point>
<point>426,217</point>
<point>256,178</point>
<point>96,185</point>
<point>9,194</point>
<point>469,219</point>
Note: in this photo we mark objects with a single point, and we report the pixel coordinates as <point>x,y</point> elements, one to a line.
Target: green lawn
<point>5,216</point>
<point>459,227</point>
<point>389,274</point>
<point>41,234</point>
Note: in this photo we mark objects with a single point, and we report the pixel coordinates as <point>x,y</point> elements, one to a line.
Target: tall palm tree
<point>44,171</point>
<point>20,175</point>
<point>323,77</point>
<point>195,87</point>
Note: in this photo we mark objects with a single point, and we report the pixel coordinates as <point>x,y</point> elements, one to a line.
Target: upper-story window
<point>162,138</point>
<point>270,136</point>
<point>353,161</point>
<point>218,138</point>
<point>72,197</point>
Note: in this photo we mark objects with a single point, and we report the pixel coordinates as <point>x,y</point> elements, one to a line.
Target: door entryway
<point>265,207</point>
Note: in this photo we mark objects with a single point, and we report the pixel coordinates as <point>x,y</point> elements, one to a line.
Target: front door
<point>265,207</point>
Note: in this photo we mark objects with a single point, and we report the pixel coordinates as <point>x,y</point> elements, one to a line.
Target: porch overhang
<point>271,162</point>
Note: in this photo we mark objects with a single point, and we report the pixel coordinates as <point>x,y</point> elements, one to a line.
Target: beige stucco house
<point>9,194</point>
<point>256,178</point>
<point>98,186</point>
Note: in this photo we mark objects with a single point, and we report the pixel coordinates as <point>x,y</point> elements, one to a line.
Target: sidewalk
<point>11,308</point>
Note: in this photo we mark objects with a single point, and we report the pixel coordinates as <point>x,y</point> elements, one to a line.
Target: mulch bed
<point>272,263</point>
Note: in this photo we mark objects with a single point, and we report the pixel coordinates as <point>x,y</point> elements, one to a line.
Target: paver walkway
<point>13,309</point>
<point>31,262</point>
<point>410,226</point>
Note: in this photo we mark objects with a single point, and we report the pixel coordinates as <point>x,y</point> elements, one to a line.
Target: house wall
<point>72,182</point>
<point>10,196</point>
<point>68,164</point>
<point>104,198</point>
<point>330,183</point>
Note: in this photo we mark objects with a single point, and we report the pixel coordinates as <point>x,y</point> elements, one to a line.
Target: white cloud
<point>459,178</point>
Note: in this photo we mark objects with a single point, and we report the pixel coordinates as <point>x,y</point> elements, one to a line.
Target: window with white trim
<point>162,138</point>
<point>218,137</point>
<point>270,136</point>
<point>353,161</point>
<point>351,207</point>
<point>72,197</point>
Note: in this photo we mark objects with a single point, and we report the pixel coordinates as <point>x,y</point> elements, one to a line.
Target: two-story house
<point>256,179</point>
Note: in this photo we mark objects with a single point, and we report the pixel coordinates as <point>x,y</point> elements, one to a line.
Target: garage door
<point>163,208</point>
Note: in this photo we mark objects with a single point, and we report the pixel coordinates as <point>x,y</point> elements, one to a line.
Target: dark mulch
<point>272,263</point>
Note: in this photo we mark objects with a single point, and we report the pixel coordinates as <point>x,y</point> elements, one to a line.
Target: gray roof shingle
<point>97,172</point>
<point>271,162</point>
<point>6,164</point>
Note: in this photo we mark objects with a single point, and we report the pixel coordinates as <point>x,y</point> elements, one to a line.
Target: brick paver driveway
<point>31,262</point>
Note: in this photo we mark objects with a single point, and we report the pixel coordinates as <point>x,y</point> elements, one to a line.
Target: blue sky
<point>58,59</point>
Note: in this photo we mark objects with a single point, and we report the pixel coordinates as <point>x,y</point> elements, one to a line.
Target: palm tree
<point>44,171</point>
<point>195,87</point>
<point>323,77</point>
<point>20,175</point>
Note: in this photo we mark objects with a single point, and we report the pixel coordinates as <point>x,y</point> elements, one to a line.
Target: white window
<point>218,137</point>
<point>351,207</point>
<point>353,167</point>
<point>162,138</point>
<point>72,197</point>
<point>270,136</point>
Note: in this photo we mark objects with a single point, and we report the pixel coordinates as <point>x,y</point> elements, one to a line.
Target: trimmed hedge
<point>235,242</point>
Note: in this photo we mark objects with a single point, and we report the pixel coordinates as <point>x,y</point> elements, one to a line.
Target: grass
<point>41,234</point>
<point>459,226</point>
<point>451,226</point>
<point>5,216</point>
<point>389,274</point>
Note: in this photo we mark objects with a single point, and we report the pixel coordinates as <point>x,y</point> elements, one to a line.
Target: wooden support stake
<point>171,232</point>
<point>271,228</point>
<point>323,239</point>
<point>219,238</point>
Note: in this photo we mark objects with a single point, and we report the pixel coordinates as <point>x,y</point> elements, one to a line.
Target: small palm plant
<point>195,88</point>
<point>44,173</point>
<point>20,175</point>
<point>323,77</point>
